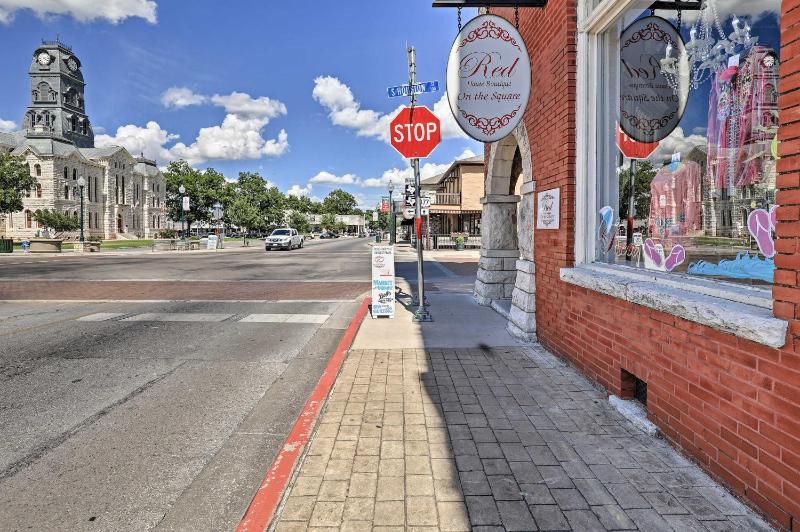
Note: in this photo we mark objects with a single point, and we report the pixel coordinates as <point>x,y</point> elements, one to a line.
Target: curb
<point>269,494</point>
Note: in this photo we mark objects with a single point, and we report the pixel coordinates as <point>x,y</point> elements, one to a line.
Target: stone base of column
<point>522,319</point>
<point>496,275</point>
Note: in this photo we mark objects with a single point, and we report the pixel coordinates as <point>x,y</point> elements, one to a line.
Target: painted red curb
<point>266,500</point>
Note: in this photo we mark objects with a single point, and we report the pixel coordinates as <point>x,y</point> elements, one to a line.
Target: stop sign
<point>415,132</point>
<point>633,149</point>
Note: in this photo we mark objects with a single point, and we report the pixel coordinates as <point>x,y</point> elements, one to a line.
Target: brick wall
<point>731,404</point>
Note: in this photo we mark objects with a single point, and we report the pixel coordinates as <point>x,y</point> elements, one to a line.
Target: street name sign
<point>383,282</point>
<point>415,132</point>
<point>411,90</point>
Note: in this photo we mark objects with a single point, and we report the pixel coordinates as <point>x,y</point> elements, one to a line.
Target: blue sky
<point>293,90</point>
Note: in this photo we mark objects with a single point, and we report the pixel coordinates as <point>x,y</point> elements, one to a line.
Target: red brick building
<point>720,357</point>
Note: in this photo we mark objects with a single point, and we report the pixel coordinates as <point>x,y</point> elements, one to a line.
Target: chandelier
<point>703,56</point>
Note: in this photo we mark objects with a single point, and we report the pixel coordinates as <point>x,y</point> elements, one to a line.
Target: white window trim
<point>740,310</point>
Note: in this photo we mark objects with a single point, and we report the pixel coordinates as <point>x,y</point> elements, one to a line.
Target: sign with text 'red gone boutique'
<point>383,281</point>
<point>650,109</point>
<point>488,78</point>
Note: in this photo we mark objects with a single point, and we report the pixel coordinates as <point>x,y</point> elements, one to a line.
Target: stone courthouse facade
<point>710,348</point>
<point>123,195</point>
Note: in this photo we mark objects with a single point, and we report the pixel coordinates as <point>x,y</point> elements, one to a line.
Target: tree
<point>15,179</point>
<point>339,202</point>
<point>341,227</point>
<point>57,221</point>
<point>204,189</point>
<point>269,201</point>
<point>644,176</point>
<point>328,221</point>
<point>246,216</point>
<point>299,221</point>
<point>382,223</point>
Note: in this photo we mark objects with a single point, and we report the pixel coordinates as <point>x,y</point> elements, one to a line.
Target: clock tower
<point>57,108</point>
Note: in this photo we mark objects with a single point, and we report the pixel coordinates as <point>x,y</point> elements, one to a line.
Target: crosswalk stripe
<point>205,317</point>
<point>101,316</point>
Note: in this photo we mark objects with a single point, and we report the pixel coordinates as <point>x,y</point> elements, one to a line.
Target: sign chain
<point>459,20</point>
<point>516,16</point>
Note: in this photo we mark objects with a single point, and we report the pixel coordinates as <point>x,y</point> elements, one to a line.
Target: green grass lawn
<point>106,245</point>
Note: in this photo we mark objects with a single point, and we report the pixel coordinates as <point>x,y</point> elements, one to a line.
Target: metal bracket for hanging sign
<point>676,5</point>
<point>489,3</point>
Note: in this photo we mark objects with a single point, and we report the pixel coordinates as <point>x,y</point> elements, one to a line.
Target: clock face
<point>72,64</point>
<point>43,58</point>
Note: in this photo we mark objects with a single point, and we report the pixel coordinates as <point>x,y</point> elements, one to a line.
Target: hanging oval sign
<point>488,78</point>
<point>650,109</point>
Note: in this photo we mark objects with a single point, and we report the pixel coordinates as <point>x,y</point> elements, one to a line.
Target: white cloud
<point>299,191</point>
<point>399,175</point>
<point>331,179</point>
<point>180,97</point>
<point>235,139</point>
<point>239,136</point>
<point>343,110</point>
<point>677,141</point>
<point>242,104</point>
<point>149,140</point>
<point>6,126</point>
<point>114,11</point>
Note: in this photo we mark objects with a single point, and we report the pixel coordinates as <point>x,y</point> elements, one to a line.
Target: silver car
<point>284,238</point>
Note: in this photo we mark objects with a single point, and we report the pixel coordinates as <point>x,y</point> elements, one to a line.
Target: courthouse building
<point>124,195</point>
<point>701,328</point>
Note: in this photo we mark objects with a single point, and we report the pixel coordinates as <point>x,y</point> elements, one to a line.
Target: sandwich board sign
<point>383,283</point>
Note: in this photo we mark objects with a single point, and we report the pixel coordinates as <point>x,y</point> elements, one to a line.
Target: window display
<point>702,203</point>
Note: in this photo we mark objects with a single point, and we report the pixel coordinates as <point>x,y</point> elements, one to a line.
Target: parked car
<point>284,238</point>
<point>327,234</point>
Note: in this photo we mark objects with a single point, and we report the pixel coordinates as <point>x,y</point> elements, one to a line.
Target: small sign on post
<point>186,203</point>
<point>383,283</point>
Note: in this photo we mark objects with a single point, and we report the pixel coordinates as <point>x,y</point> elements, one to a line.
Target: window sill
<point>742,311</point>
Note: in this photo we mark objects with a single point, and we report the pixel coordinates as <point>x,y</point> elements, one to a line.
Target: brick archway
<point>506,269</point>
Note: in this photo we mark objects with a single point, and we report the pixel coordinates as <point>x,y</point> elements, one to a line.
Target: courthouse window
<point>702,203</point>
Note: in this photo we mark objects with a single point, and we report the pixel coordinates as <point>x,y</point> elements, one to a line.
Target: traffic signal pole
<point>422,313</point>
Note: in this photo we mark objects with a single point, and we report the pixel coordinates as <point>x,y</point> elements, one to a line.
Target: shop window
<point>702,204</point>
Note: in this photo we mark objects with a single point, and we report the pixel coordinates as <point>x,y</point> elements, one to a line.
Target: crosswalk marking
<point>101,316</point>
<point>285,318</point>
<point>207,318</point>
<point>177,316</point>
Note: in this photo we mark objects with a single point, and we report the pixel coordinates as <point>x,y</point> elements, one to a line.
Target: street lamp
<point>182,191</point>
<point>81,184</point>
<point>391,215</point>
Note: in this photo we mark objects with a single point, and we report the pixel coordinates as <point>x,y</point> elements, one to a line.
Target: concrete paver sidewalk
<point>489,439</point>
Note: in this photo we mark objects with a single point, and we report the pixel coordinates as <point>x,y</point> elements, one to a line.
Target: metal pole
<point>422,313</point>
<point>631,213</point>
<point>82,215</point>
<point>391,218</point>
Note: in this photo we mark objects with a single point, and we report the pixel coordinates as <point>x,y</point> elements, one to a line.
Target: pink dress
<point>675,202</point>
<point>743,119</point>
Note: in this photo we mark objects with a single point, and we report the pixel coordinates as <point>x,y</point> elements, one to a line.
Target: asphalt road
<point>126,413</point>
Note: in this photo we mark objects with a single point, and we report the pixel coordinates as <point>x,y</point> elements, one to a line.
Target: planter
<point>86,247</point>
<point>164,244</point>
<point>45,245</point>
<point>6,245</point>
<point>459,246</point>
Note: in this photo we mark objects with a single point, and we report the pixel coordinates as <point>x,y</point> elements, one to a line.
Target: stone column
<point>499,248</point>
<point>522,317</point>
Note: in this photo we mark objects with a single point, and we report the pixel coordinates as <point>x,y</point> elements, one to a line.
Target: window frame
<point>591,116</point>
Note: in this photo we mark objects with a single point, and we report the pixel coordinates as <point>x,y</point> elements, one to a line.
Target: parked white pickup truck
<point>284,238</point>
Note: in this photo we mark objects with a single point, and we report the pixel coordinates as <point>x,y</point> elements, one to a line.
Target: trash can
<point>6,245</point>
<point>377,238</point>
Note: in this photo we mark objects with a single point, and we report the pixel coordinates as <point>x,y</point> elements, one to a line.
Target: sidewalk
<point>491,435</point>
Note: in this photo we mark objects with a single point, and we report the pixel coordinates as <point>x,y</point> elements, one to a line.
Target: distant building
<point>456,206</point>
<point>123,195</point>
<point>356,223</point>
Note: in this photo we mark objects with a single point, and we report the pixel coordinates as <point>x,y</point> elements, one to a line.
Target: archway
<point>506,269</point>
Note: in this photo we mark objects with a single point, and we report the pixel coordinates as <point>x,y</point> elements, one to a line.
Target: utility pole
<point>422,313</point>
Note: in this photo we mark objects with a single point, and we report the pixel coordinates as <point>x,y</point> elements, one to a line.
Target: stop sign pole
<point>422,313</point>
